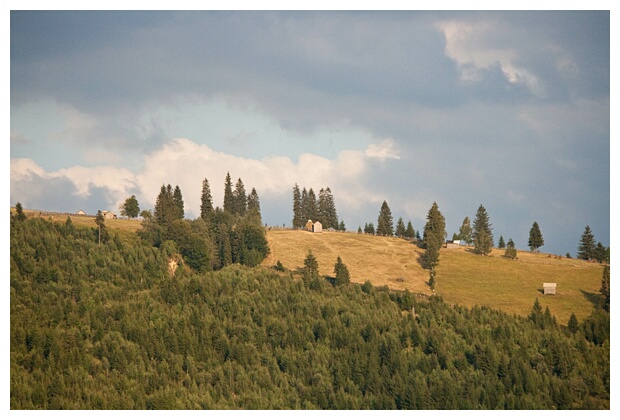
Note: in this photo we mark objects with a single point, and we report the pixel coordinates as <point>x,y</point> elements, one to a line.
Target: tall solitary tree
<point>434,234</point>
<point>409,232</point>
<point>501,244</point>
<point>465,231</point>
<point>536,239</point>
<point>482,232</point>
<point>130,207</point>
<point>311,265</point>
<point>341,272</point>
<point>385,222</point>
<point>586,246</point>
<point>206,200</point>
<point>102,230</point>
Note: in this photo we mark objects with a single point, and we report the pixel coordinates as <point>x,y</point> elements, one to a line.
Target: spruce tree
<point>342,227</point>
<point>20,212</point>
<point>177,199</point>
<point>341,273</point>
<point>536,238</point>
<point>240,203</point>
<point>311,266</point>
<point>400,228</point>
<point>599,252</point>
<point>511,251</point>
<point>165,211</point>
<point>298,221</point>
<point>254,206</point>
<point>326,211</point>
<point>409,232</point>
<point>206,201</point>
<point>482,232</point>
<point>434,234</point>
<point>465,231</point>
<point>304,207</point>
<point>605,288</point>
<point>359,230</point>
<point>586,246</point>
<point>312,208</point>
<point>229,202</point>
<point>385,222</point>
<point>501,244</point>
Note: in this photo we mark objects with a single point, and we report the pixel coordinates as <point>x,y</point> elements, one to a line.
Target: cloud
<point>185,163</point>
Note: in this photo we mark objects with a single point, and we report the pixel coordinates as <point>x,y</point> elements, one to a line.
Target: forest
<point>108,325</point>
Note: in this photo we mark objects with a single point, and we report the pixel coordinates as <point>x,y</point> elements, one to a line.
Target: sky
<point>505,109</point>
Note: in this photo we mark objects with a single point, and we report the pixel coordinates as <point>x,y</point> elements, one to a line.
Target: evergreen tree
<point>312,209</point>
<point>311,266</point>
<point>371,228</point>
<point>359,230</point>
<point>102,231</point>
<point>431,281</point>
<point>465,231</point>
<point>165,210</point>
<point>501,244</point>
<point>409,232</point>
<point>298,221</point>
<point>400,228</point>
<point>536,238</point>
<point>341,273</point>
<point>605,289</point>
<point>304,207</point>
<point>342,227</point>
<point>240,204</point>
<point>599,253</point>
<point>573,324</point>
<point>385,222</point>
<point>254,206</point>
<point>229,202</point>
<point>586,246</point>
<point>130,207</point>
<point>434,234</point>
<point>20,212</point>
<point>326,211</point>
<point>482,232</point>
<point>511,251</point>
<point>177,199</point>
<point>206,200</point>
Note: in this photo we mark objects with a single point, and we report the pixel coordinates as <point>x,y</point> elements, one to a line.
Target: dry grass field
<point>462,277</point>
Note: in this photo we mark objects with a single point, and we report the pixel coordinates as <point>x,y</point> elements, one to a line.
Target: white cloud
<point>185,163</point>
<point>470,45</point>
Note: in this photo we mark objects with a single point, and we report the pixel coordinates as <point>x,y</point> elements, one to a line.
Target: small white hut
<point>317,227</point>
<point>549,288</point>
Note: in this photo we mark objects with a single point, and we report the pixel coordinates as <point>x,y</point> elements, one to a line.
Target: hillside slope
<point>462,277</point>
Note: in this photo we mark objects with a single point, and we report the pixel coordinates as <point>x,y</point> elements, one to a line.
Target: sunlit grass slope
<point>462,277</point>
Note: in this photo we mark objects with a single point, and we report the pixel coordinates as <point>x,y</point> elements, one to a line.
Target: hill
<point>462,277</point>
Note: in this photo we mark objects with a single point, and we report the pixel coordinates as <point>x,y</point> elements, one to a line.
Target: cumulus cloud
<point>185,163</point>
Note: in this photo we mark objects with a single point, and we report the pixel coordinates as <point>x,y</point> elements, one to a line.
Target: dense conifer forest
<point>110,326</point>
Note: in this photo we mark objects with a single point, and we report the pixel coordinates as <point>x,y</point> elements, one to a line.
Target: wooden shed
<point>81,213</point>
<point>453,244</point>
<point>309,225</point>
<point>108,214</point>
<point>549,288</point>
<point>317,227</point>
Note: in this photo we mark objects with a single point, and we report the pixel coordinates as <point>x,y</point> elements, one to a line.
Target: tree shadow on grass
<point>594,298</point>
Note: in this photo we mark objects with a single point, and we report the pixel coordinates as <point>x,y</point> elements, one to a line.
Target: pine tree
<point>536,238</point>
<point>130,207</point>
<point>434,234</point>
<point>342,227</point>
<point>102,234</point>
<point>465,231</point>
<point>177,199</point>
<point>304,207</point>
<point>326,211</point>
<point>511,251</point>
<point>586,246</point>
<point>312,209</point>
<point>164,212</point>
<point>359,230</point>
<point>298,221</point>
<point>206,201</point>
<point>385,222</point>
<point>240,204</point>
<point>482,232</point>
<point>371,228</point>
<point>409,232</point>
<point>501,244</point>
<point>400,228</point>
<point>341,273</point>
<point>599,252</point>
<point>573,324</point>
<point>229,202</point>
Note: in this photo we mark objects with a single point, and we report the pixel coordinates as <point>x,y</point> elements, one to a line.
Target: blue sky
<point>506,109</point>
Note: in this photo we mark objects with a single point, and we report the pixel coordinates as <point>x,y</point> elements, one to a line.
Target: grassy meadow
<point>462,277</point>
